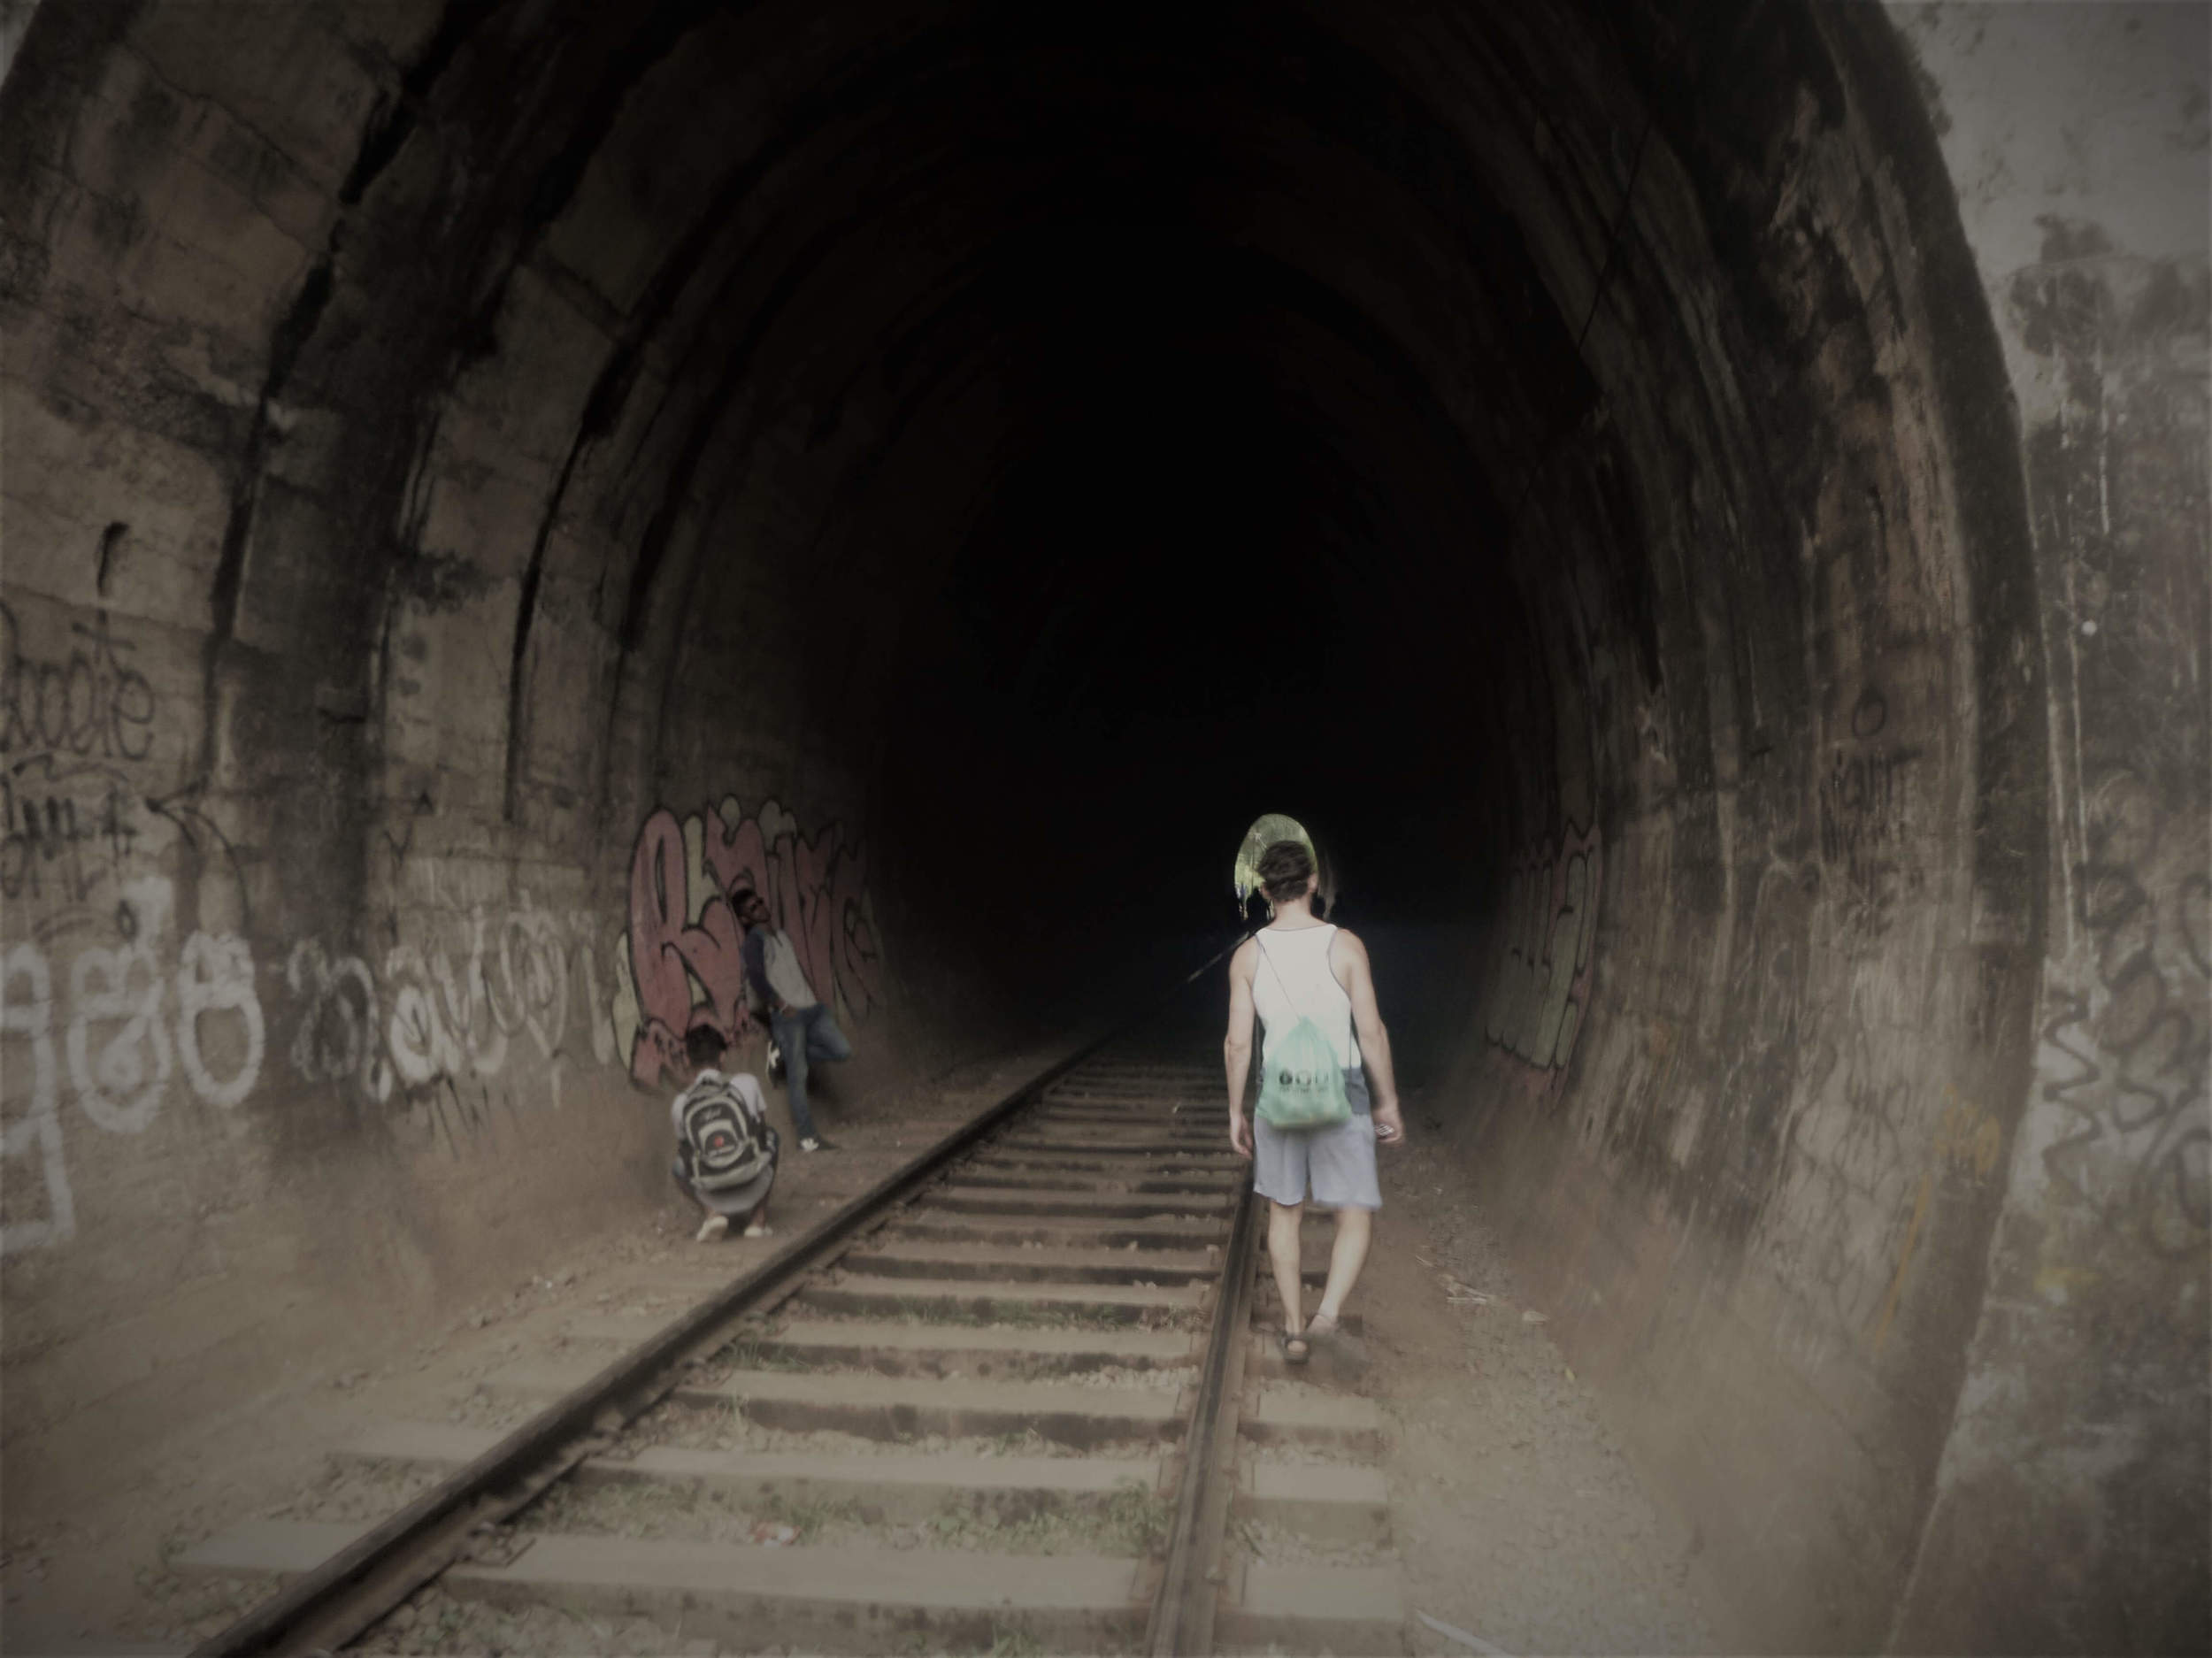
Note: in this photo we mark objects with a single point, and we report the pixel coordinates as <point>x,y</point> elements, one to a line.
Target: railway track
<point>1017,1398</point>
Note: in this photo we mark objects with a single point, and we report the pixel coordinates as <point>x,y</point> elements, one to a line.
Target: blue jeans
<point>805,1034</point>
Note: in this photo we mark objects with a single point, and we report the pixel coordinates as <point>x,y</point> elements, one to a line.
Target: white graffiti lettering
<point>217,977</point>
<point>32,1018</point>
<point>339,1035</point>
<point>122,1091</point>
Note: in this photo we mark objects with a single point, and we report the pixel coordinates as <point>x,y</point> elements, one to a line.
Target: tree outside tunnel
<point>1710,496</point>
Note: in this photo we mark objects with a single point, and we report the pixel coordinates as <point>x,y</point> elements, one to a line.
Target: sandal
<point>1342,1347</point>
<point>1296,1349</point>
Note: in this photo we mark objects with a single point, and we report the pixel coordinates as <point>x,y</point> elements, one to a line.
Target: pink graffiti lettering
<point>667,950</point>
<point>684,939</point>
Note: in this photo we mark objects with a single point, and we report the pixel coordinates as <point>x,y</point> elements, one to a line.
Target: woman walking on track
<point>1314,1126</point>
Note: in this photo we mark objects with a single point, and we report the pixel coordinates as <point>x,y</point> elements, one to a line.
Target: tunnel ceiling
<point>1050,363</point>
<point>1217,330</point>
<point>1004,403</point>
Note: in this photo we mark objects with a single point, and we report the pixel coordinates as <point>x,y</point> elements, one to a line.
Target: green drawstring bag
<point>1303,1087</point>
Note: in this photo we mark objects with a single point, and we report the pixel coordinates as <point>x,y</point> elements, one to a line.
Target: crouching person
<point>725,1151</point>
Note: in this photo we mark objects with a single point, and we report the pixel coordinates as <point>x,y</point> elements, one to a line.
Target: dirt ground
<point>1517,1519</point>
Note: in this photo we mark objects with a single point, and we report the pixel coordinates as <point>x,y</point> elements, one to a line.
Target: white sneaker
<point>757,1231</point>
<point>713,1227</point>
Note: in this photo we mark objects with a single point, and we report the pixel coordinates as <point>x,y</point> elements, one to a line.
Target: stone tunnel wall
<point>2070,1505</point>
<point>1855,1140</point>
<point>366,815</point>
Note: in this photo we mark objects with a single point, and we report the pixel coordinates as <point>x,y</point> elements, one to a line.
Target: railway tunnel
<point>1699,507</point>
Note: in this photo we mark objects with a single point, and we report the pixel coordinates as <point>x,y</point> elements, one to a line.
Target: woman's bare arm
<point>1348,958</point>
<point>1236,1048</point>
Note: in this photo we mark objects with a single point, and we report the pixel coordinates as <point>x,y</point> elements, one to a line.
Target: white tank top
<point>1292,980</point>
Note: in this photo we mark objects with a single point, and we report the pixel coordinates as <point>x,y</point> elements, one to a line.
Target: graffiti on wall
<point>125,1028</point>
<point>678,964</point>
<point>2125,1053</point>
<point>104,997</point>
<point>1865,803</point>
<point>115,1010</point>
<point>83,701</point>
<point>111,1003</point>
<point>133,1021</point>
<point>76,724</point>
<point>1537,994</point>
<point>454,1005</point>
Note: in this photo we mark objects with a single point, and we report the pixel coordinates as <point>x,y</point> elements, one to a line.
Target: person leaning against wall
<point>802,1032</point>
<point>1301,967</point>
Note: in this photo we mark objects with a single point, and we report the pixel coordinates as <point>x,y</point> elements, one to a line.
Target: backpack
<point>1302,1088</point>
<point>725,1142</point>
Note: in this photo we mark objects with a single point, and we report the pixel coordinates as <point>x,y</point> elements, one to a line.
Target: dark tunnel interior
<point>1212,537</point>
<point>486,478</point>
<point>1200,578</point>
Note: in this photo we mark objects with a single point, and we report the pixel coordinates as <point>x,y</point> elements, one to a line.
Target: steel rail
<point>330,1605</point>
<point>1182,1616</point>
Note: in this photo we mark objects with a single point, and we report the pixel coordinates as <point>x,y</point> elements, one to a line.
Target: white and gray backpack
<point>725,1142</point>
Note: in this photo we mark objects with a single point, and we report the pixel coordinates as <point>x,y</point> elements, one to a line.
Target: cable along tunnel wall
<point>432,433</point>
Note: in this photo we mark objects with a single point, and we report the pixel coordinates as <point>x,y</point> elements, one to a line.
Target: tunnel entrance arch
<point>946,459</point>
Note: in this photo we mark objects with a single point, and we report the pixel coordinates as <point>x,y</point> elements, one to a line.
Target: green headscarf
<point>1265,833</point>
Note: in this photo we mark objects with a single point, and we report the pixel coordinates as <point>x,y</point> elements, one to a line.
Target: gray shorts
<point>1340,1161</point>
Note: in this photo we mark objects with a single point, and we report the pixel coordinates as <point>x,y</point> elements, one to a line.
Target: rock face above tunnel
<point>482,480</point>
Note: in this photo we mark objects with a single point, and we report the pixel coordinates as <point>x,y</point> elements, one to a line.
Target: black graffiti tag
<point>90,703</point>
<point>76,825</point>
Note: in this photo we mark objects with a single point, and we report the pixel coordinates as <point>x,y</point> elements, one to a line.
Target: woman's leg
<point>1347,1255</point>
<point>1282,1249</point>
<point>1344,1175</point>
